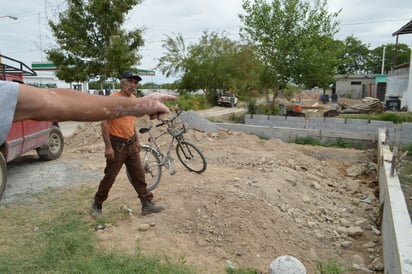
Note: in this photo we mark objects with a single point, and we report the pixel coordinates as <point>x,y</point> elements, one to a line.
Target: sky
<point>372,22</point>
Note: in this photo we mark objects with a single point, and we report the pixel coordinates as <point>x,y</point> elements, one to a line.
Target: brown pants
<point>127,154</point>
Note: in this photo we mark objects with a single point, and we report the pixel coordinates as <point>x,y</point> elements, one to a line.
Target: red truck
<point>45,137</point>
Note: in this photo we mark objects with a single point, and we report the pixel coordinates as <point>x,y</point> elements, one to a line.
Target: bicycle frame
<point>166,159</point>
<point>154,158</point>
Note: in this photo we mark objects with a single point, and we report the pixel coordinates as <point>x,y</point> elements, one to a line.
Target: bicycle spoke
<point>191,157</point>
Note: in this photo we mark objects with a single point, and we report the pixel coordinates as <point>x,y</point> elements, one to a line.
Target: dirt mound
<point>257,200</point>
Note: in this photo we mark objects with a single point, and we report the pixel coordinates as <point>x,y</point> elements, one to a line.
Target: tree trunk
<point>267,95</point>
<point>276,93</point>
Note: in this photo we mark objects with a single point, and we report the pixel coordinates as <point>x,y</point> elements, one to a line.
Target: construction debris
<point>368,105</point>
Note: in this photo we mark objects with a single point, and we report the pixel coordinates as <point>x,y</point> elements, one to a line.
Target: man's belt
<point>129,141</point>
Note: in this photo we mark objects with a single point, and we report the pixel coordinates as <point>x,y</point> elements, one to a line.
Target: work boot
<point>96,211</point>
<point>149,207</point>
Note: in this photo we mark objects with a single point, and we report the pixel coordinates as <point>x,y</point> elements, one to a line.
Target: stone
<point>143,227</point>
<point>287,265</point>
<point>355,231</point>
<point>344,222</point>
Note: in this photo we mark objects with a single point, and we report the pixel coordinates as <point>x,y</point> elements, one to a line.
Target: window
<point>353,83</point>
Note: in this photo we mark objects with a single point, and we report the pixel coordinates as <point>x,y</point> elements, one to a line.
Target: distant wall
<point>288,128</point>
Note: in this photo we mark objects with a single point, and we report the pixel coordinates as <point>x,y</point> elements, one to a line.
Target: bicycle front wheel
<point>152,167</point>
<point>191,156</point>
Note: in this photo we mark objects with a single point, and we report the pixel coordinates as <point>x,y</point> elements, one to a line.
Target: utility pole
<point>40,38</point>
<point>383,60</point>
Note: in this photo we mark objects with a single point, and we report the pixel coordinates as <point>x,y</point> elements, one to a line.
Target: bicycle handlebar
<point>165,121</point>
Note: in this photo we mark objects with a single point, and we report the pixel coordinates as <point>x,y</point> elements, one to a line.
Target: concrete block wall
<point>399,134</point>
<point>396,223</point>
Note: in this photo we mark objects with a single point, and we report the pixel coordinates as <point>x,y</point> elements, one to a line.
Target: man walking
<point>122,147</point>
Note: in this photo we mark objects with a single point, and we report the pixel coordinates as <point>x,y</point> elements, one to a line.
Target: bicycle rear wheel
<point>191,156</point>
<point>152,167</point>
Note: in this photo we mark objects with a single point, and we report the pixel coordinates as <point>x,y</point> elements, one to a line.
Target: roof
<point>406,29</point>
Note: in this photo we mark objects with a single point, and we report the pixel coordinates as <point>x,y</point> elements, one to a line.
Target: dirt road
<point>220,111</point>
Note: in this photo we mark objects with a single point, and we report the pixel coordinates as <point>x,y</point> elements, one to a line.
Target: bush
<point>408,148</point>
<point>190,102</point>
<point>268,109</point>
<point>251,106</point>
<point>307,141</point>
<point>389,116</point>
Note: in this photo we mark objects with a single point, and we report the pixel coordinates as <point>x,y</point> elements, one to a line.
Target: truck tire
<point>54,147</point>
<point>3,174</point>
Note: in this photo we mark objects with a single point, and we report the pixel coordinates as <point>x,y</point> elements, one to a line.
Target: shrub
<point>307,141</point>
<point>251,106</point>
<point>190,102</point>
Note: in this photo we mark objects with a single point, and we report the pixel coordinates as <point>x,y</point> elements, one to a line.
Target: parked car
<point>227,99</point>
<point>45,137</point>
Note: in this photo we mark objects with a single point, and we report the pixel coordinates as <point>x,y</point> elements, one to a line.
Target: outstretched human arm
<point>69,105</point>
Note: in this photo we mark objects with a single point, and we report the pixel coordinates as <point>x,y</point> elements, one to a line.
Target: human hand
<point>154,105</point>
<point>109,153</point>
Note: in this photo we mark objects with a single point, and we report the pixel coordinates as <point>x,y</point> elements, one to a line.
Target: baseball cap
<point>131,74</point>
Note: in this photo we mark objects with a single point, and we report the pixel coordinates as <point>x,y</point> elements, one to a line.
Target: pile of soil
<point>257,200</point>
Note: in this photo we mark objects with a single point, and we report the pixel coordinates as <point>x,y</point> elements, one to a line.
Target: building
<point>356,86</point>
<point>381,86</point>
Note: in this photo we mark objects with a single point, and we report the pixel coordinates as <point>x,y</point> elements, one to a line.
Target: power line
<point>373,22</point>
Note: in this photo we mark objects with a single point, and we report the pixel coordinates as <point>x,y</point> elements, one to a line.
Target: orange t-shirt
<point>123,127</point>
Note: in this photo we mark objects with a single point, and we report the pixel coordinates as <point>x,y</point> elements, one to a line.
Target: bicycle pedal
<point>173,172</point>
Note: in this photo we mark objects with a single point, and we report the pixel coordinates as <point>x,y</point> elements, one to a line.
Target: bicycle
<point>153,159</point>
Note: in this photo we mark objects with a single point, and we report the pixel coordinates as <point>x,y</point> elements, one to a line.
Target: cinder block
<point>382,124</point>
<point>359,122</point>
<point>401,133</point>
<point>335,120</point>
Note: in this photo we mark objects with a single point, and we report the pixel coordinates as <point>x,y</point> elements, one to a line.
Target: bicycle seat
<point>145,129</point>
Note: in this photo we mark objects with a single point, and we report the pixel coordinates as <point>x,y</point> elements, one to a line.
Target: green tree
<point>214,63</point>
<point>245,69</point>
<point>173,62</point>
<point>91,41</point>
<point>294,40</point>
<point>206,66</point>
<point>393,56</point>
<point>354,57</point>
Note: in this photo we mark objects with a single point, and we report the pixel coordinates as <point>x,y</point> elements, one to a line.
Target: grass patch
<point>51,235</point>
<point>307,140</point>
<point>405,178</point>
<point>189,102</point>
<point>339,143</point>
<point>67,245</point>
<point>331,267</point>
<point>241,271</point>
<point>390,116</point>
